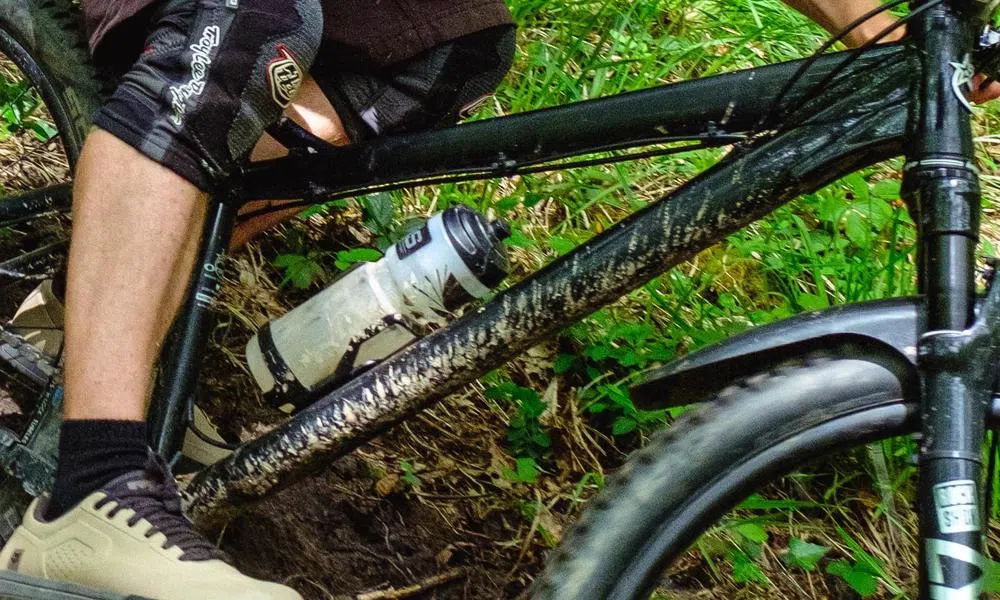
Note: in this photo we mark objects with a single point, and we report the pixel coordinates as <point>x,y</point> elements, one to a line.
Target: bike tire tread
<point>51,32</point>
<point>595,540</point>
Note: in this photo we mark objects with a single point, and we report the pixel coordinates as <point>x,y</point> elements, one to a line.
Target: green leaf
<point>299,270</point>
<point>758,502</point>
<point>379,209</point>
<point>623,425</point>
<point>858,185</point>
<point>561,245</point>
<point>857,230</point>
<point>620,397</point>
<point>887,189</point>
<point>322,208</point>
<point>812,301</point>
<point>532,198</point>
<point>832,208</point>
<point>861,581</point>
<point>991,583</point>
<point>518,240</point>
<point>347,258</point>
<point>408,473</point>
<point>804,555</point>
<point>753,532</point>
<point>43,130</point>
<point>745,570</point>
<point>525,471</point>
<point>563,363</point>
<point>508,204</point>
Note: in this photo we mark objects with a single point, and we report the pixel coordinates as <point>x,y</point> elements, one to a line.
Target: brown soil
<point>332,537</point>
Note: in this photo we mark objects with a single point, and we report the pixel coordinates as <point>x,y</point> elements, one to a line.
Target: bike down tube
<point>859,122</point>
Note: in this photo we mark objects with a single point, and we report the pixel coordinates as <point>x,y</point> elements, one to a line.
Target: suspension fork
<point>941,185</point>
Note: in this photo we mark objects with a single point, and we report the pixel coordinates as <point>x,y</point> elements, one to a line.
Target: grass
<point>529,444</point>
<point>846,527</point>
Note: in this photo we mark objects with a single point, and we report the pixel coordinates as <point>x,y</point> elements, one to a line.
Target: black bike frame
<point>957,353</point>
<point>859,120</point>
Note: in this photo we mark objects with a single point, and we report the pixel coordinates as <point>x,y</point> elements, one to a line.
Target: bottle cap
<point>479,243</point>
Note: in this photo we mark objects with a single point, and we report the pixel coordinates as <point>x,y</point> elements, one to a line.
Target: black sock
<point>92,453</point>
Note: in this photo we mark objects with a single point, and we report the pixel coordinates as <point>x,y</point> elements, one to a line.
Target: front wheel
<point>691,474</point>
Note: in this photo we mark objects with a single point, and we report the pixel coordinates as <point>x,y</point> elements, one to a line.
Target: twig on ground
<point>412,590</point>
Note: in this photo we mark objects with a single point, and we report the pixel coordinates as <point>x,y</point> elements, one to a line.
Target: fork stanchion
<point>942,189</point>
<point>182,354</point>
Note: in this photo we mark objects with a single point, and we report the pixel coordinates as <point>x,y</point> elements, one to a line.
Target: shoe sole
<point>15,586</point>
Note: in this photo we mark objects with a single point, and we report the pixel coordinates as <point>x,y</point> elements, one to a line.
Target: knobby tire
<point>693,472</point>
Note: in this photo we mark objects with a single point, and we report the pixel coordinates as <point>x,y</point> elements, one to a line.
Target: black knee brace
<point>212,76</point>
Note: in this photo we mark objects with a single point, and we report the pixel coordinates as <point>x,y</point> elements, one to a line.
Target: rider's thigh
<point>434,88</point>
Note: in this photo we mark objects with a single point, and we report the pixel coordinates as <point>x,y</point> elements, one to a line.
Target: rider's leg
<point>128,261</point>
<point>834,16</point>
<point>431,89</point>
<point>210,79</point>
<point>213,74</point>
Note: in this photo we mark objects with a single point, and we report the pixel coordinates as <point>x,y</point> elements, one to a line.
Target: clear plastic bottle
<point>379,307</point>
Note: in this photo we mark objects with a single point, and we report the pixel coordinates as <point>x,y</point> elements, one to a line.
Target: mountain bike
<point>773,399</point>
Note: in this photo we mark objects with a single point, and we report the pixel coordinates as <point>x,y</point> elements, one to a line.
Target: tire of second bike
<point>693,472</point>
<point>45,39</point>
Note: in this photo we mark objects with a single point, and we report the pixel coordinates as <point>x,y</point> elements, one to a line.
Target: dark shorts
<point>198,81</point>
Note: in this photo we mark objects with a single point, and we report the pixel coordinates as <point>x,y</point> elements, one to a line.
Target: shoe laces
<point>154,496</point>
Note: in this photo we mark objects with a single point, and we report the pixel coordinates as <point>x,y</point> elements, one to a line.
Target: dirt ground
<point>423,511</point>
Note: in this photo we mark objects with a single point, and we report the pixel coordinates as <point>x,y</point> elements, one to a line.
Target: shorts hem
<point>183,166</point>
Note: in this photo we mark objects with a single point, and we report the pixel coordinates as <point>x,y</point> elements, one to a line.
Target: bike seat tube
<point>941,187</point>
<point>184,348</point>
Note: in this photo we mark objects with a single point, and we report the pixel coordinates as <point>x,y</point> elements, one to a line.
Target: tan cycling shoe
<point>39,320</point>
<point>131,538</point>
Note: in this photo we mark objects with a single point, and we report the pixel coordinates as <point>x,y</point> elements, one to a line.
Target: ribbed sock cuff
<point>92,453</point>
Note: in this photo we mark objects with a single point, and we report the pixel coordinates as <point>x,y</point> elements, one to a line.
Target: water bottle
<point>377,308</point>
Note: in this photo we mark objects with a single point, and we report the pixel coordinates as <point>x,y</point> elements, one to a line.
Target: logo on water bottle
<point>415,240</point>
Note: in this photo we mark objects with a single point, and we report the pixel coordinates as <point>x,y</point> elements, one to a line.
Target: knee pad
<point>212,76</point>
<point>433,89</point>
